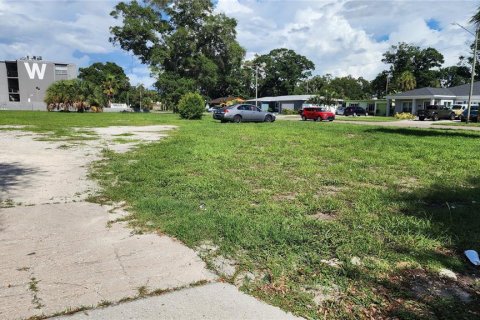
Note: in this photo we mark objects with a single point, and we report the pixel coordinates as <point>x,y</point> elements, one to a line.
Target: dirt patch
<point>290,196</point>
<point>322,216</point>
<point>407,184</point>
<point>421,293</point>
<point>329,191</point>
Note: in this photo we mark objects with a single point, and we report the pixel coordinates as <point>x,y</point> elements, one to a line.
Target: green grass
<point>70,124</point>
<point>403,201</point>
<point>367,119</point>
<point>460,124</point>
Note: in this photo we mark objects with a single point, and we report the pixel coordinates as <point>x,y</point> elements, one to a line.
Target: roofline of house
<point>421,97</point>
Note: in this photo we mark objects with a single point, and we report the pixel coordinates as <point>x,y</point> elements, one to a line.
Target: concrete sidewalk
<point>59,253</point>
<point>212,301</point>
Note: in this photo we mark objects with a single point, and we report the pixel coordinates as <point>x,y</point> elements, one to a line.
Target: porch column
<point>432,101</point>
<point>414,106</point>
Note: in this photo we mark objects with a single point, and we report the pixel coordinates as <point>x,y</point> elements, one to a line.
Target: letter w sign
<point>35,70</point>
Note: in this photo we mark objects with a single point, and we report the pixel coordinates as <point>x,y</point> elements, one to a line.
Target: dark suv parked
<point>436,112</point>
<point>355,111</point>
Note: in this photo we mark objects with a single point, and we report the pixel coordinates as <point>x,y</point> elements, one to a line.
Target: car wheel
<point>421,118</point>
<point>435,117</point>
<point>237,118</point>
<point>315,119</point>
<point>452,116</point>
<point>304,119</point>
<point>268,118</point>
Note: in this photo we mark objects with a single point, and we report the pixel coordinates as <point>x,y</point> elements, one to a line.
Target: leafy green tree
<point>282,69</point>
<point>184,43</point>
<point>350,88</point>
<point>325,97</point>
<point>140,97</point>
<point>422,63</point>
<point>313,85</point>
<point>191,106</point>
<point>476,18</point>
<point>109,76</point>
<point>379,85</point>
<point>454,76</point>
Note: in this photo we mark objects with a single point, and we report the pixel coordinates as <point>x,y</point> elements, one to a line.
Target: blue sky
<point>341,37</point>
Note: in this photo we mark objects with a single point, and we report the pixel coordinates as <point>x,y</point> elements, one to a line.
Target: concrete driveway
<point>60,254</point>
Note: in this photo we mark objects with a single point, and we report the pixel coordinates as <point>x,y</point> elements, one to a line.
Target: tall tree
<point>454,76</point>
<point>424,64</point>
<point>380,86</point>
<point>186,45</point>
<point>406,81</point>
<point>282,70</point>
<point>468,61</point>
<point>109,76</point>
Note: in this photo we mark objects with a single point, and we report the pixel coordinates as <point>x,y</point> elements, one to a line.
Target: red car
<point>317,113</point>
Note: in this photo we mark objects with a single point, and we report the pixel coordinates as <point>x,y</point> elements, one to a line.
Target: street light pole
<point>256,86</point>
<point>472,76</point>
<point>472,79</point>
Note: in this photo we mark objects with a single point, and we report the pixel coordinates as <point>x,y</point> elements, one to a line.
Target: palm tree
<point>406,81</point>
<point>476,18</point>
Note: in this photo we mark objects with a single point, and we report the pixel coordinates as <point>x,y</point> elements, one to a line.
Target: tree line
<point>190,48</point>
<point>98,86</point>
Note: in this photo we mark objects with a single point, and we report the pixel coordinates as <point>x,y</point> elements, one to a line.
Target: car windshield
<point>431,107</point>
<point>457,107</point>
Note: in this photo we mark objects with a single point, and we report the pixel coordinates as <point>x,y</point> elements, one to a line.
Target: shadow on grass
<point>12,175</point>
<point>453,213</point>
<point>453,210</point>
<point>440,133</point>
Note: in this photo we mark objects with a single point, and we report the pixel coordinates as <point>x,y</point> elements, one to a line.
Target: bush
<point>191,106</point>
<point>404,116</point>
<point>289,111</point>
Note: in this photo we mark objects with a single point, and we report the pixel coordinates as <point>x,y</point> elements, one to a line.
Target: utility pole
<point>472,79</point>
<point>256,86</point>
<point>141,91</point>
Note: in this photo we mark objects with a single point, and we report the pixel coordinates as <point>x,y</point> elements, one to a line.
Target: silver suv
<point>243,112</point>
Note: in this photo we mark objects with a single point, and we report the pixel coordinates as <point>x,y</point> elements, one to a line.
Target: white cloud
<point>340,37</point>
<point>349,37</point>
<point>59,30</point>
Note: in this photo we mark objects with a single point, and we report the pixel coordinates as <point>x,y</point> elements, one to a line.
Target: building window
<point>14,97</point>
<point>12,69</point>
<point>407,107</point>
<point>61,70</point>
<point>13,86</point>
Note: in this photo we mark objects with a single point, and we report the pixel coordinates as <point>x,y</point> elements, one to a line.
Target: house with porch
<point>417,99</point>
<point>374,107</point>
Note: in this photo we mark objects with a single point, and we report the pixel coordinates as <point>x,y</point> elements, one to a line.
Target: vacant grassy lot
<point>333,220</point>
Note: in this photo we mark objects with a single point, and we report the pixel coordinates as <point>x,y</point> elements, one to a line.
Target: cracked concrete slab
<point>58,252</point>
<point>211,301</point>
<point>78,261</point>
